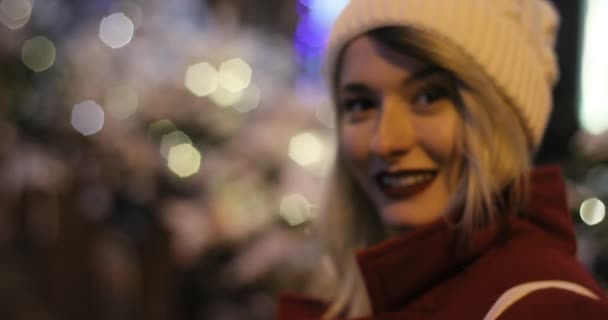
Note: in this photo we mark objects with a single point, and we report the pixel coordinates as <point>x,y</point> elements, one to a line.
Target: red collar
<point>400,269</point>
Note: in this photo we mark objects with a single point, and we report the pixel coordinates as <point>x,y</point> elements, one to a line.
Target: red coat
<point>423,275</point>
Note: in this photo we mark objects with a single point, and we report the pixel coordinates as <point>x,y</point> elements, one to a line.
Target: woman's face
<point>398,131</point>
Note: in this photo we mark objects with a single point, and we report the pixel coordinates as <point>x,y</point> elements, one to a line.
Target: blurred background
<point>166,159</point>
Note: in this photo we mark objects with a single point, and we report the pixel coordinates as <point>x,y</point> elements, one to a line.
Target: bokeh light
<point>202,79</point>
<point>116,30</point>
<point>295,209</point>
<point>184,160</point>
<point>171,140</point>
<point>594,96</point>
<point>14,14</point>
<point>224,98</point>
<point>250,99</point>
<point>312,33</point>
<point>305,149</point>
<point>235,75</point>
<point>592,211</point>
<point>87,117</point>
<point>324,11</point>
<point>38,53</point>
<point>158,129</point>
<point>121,102</point>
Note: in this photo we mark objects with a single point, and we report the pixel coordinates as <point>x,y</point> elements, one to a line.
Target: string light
<point>305,149</point>
<point>184,160</point>
<point>592,211</point>
<point>116,30</point>
<point>38,53</point>
<point>87,117</point>
<point>295,209</point>
<point>250,99</point>
<point>171,140</point>
<point>594,76</point>
<point>224,98</point>
<point>202,79</point>
<point>235,75</point>
<point>14,14</point>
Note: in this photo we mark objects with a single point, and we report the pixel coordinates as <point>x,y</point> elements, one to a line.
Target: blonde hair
<point>496,155</point>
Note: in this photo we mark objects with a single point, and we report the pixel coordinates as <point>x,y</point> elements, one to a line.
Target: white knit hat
<point>512,40</point>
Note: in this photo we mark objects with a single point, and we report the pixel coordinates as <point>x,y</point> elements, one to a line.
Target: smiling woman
<point>441,106</point>
<point>399,126</point>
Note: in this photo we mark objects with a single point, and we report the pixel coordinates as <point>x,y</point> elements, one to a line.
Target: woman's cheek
<point>439,136</point>
<point>355,145</point>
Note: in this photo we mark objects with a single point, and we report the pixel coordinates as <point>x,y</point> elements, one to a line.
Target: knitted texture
<point>512,40</point>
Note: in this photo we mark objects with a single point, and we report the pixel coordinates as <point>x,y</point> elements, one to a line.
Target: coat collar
<point>400,269</point>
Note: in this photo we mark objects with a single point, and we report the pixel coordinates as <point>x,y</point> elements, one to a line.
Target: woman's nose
<point>394,131</point>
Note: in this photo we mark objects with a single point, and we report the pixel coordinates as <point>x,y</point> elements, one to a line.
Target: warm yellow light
<point>121,102</point>
<point>305,149</point>
<point>116,30</point>
<point>592,211</point>
<point>201,79</point>
<point>295,209</point>
<point>225,98</point>
<point>184,160</point>
<point>235,75</point>
<point>171,140</point>
<point>250,99</point>
<point>38,53</point>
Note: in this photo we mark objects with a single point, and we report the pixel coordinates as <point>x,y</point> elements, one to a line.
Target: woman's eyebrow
<point>424,73</point>
<point>357,87</point>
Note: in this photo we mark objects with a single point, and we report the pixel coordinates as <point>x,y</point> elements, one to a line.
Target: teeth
<point>406,181</point>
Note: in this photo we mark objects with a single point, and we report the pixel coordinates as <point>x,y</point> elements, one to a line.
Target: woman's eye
<point>430,95</point>
<point>357,105</point>
<point>357,109</point>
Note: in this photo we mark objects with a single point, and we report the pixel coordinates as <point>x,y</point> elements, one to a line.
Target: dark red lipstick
<point>405,183</point>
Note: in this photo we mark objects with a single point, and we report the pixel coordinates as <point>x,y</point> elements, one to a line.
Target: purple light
<point>312,32</point>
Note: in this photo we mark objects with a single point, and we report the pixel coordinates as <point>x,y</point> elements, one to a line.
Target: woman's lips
<point>404,184</point>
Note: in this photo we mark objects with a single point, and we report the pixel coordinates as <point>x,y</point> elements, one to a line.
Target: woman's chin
<point>402,215</point>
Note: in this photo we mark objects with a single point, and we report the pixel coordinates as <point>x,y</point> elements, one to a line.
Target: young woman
<point>434,211</point>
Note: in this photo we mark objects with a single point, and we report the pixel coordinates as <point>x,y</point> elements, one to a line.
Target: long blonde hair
<point>496,155</point>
